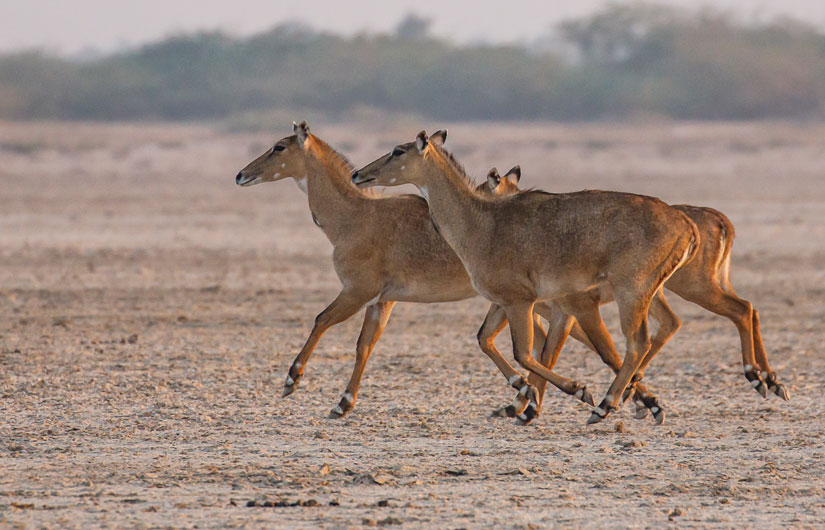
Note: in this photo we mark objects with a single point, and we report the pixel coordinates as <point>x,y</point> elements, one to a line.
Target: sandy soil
<point>150,310</point>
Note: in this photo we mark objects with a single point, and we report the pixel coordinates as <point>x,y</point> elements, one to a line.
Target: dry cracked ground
<point>150,310</point>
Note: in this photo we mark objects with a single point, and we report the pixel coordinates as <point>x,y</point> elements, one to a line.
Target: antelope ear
<point>439,137</point>
<point>421,141</point>
<point>514,175</point>
<point>301,130</point>
<point>493,179</point>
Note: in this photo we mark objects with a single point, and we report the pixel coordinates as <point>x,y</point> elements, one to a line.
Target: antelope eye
<point>398,151</point>
<point>278,148</point>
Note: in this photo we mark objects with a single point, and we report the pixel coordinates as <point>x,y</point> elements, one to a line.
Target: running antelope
<point>563,317</point>
<point>377,262</point>
<point>536,246</point>
<point>705,281</point>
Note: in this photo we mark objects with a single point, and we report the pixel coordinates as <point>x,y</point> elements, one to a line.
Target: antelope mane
<point>337,163</point>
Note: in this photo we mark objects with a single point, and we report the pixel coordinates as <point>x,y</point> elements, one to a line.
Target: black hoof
<point>523,420</point>
<point>651,403</point>
<point>658,415</point>
<point>600,412</point>
<point>344,406</point>
<point>585,395</point>
<point>775,387</point>
<point>532,410</point>
<point>506,412</point>
<point>291,383</point>
<point>781,391</point>
<point>528,415</point>
<point>596,416</point>
<point>757,383</point>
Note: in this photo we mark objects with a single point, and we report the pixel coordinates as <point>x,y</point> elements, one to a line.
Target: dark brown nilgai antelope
<point>537,246</point>
<point>705,281</point>
<point>386,250</point>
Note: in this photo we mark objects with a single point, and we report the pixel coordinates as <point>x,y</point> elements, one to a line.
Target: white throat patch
<point>302,183</point>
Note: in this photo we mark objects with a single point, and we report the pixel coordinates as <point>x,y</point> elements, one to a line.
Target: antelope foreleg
<point>761,358</point>
<point>493,323</point>
<point>668,325</point>
<point>633,310</point>
<point>521,329</point>
<point>343,307</point>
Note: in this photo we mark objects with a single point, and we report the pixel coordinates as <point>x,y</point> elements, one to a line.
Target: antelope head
<point>287,158</point>
<point>399,166</point>
<point>498,185</point>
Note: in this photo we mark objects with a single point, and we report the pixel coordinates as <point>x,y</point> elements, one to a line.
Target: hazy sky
<point>68,26</point>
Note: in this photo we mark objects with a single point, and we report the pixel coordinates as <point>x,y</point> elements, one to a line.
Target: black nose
<point>238,178</point>
<point>355,175</point>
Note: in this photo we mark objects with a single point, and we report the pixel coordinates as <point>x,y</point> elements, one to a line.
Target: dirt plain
<point>149,310</point>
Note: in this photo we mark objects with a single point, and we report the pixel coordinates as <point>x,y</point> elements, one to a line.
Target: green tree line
<point>621,61</point>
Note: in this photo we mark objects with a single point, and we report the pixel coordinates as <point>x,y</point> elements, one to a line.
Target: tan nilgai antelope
<point>563,317</point>
<point>386,250</point>
<point>705,281</point>
<point>537,246</point>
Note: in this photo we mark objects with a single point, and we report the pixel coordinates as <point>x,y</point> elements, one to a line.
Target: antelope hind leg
<point>633,309</point>
<point>375,319</point>
<point>668,325</point>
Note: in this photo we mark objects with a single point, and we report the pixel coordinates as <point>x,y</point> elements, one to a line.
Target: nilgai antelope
<point>386,250</point>
<point>705,281</point>
<point>563,316</point>
<point>537,246</point>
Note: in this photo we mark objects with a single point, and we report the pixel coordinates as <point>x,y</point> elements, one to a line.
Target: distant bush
<point>621,61</point>
<point>704,65</point>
